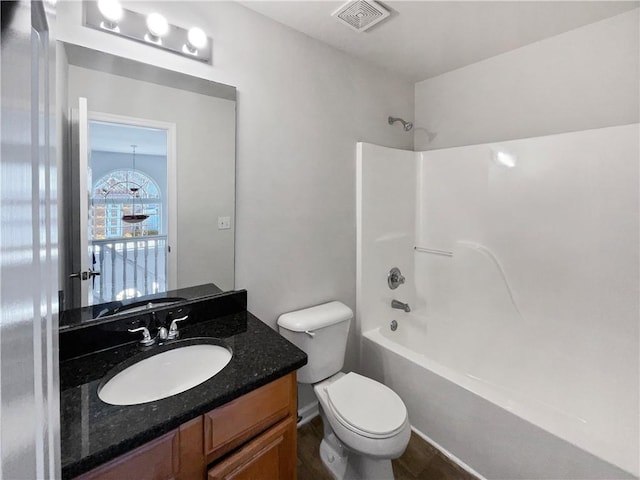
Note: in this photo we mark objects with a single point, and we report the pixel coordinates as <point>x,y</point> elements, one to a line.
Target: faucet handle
<point>173,328</point>
<point>146,337</point>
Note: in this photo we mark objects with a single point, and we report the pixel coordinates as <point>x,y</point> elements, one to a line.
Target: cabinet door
<point>156,460</point>
<point>272,455</point>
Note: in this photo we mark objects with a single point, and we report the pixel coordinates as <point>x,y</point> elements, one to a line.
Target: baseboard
<point>307,413</point>
<point>447,454</point>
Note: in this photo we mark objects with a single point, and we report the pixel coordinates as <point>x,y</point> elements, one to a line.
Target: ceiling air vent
<point>361,15</point>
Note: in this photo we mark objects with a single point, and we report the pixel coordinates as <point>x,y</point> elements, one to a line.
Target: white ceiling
<point>119,138</point>
<point>422,39</point>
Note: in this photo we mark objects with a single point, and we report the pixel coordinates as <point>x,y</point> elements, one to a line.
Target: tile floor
<point>420,461</point>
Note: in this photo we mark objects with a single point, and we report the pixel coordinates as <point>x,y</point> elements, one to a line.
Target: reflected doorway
<point>126,232</point>
<point>128,210</point>
<point>129,217</point>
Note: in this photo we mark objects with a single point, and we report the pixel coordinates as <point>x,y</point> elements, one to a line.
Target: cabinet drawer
<point>270,456</point>
<point>156,460</point>
<point>227,427</point>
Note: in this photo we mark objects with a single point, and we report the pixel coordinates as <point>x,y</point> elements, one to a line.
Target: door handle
<point>85,275</point>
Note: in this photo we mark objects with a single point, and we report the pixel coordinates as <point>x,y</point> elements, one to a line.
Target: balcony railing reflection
<point>129,267</point>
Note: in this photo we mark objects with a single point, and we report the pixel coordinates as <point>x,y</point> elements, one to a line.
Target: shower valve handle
<point>395,278</point>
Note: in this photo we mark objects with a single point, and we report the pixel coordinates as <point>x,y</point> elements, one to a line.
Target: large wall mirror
<point>148,181</point>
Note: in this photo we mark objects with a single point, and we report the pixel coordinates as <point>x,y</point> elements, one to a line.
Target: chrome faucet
<point>173,328</point>
<point>400,305</point>
<point>163,333</point>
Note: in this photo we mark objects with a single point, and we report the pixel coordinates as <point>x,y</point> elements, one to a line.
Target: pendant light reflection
<point>134,217</point>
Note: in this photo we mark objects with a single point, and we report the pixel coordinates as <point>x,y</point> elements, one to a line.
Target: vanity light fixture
<point>154,29</point>
<point>196,39</point>
<point>158,28</point>
<point>112,12</point>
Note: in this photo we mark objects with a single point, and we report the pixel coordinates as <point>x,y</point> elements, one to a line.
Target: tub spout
<point>400,305</point>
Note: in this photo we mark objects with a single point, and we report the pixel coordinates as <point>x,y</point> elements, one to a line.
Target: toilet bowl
<point>365,422</point>
<point>365,426</point>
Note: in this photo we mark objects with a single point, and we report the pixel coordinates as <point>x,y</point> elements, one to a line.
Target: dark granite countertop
<point>77,317</point>
<point>93,432</point>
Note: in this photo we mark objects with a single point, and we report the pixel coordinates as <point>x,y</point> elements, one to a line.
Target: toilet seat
<point>366,407</point>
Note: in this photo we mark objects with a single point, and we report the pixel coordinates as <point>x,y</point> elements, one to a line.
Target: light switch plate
<point>224,223</point>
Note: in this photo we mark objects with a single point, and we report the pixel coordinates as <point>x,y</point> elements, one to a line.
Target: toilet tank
<point>321,332</point>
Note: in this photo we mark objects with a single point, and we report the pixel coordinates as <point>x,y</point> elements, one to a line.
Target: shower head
<point>406,125</point>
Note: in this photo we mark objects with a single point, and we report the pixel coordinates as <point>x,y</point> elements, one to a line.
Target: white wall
<point>302,106</point>
<point>585,78</point>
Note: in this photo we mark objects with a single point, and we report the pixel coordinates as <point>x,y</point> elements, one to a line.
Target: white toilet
<point>365,422</point>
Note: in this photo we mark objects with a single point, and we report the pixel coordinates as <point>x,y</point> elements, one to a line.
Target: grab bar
<point>434,251</point>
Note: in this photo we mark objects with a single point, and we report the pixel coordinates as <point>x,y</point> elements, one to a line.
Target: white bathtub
<point>492,425</point>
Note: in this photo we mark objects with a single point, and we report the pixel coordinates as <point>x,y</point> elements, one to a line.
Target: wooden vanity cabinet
<point>268,456</point>
<point>158,460</point>
<point>250,438</point>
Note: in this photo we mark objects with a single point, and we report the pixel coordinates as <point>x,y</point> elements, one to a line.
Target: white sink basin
<point>165,374</point>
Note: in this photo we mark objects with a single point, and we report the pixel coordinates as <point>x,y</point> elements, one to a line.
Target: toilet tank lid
<point>316,317</point>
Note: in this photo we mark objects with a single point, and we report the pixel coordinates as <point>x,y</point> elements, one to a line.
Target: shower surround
<point>520,355</point>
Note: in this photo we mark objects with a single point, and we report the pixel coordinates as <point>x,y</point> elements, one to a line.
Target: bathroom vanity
<point>240,423</point>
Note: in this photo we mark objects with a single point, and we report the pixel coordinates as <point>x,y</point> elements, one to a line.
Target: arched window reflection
<point>124,192</point>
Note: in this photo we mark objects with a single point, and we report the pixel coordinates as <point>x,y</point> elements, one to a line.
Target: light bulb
<point>111,10</point>
<point>157,25</point>
<point>197,38</point>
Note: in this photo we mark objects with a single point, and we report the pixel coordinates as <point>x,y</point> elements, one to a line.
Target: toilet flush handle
<point>310,333</point>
